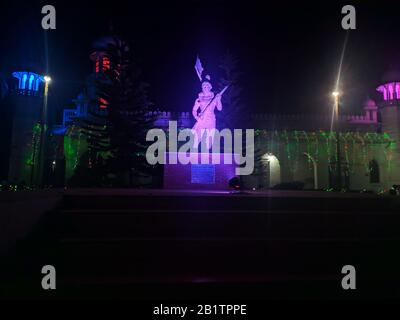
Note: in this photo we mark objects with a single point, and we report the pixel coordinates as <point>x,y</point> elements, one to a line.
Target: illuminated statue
<point>203,112</point>
<point>203,109</point>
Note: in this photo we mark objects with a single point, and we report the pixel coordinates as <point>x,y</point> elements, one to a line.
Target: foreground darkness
<point>151,245</point>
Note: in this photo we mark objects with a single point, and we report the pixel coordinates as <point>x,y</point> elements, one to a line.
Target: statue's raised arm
<point>218,102</point>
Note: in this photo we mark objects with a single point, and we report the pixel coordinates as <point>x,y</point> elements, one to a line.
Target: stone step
<point>309,202</point>
<point>220,224</point>
<point>212,257</point>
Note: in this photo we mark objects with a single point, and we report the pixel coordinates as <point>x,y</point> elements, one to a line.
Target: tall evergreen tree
<point>118,119</point>
<point>231,116</point>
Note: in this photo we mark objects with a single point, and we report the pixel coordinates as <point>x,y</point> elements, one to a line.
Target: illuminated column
<point>27,101</point>
<point>101,61</point>
<point>398,91</point>
<point>101,64</point>
<point>28,81</point>
<point>390,118</point>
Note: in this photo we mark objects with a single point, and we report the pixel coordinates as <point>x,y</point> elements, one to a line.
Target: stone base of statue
<point>204,174</point>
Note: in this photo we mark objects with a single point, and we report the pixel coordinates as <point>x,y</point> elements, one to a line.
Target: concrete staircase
<point>153,245</point>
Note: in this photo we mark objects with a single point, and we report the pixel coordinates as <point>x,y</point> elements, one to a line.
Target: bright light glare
<point>47,79</point>
<point>269,157</point>
<point>335,93</point>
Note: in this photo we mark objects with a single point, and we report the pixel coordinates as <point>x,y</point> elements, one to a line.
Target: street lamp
<point>336,95</point>
<point>43,131</point>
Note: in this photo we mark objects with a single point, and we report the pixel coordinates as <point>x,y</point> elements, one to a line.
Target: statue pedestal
<point>200,176</point>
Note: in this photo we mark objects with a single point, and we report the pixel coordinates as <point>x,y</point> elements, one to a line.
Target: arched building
<point>293,149</point>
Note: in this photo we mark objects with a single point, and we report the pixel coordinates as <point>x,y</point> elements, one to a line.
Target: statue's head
<point>206,85</point>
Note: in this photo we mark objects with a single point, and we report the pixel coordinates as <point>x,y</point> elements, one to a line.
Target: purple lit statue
<point>205,117</point>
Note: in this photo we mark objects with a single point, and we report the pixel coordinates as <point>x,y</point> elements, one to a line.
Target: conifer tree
<point>118,119</point>
<point>230,117</point>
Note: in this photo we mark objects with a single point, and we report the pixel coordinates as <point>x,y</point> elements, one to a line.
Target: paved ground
<point>148,244</point>
<point>207,193</point>
<point>20,211</point>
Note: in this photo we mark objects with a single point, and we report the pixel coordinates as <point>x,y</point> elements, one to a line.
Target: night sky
<point>289,53</point>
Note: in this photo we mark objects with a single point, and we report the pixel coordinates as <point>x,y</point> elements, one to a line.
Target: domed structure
<point>103,43</point>
<point>101,51</point>
<point>371,110</point>
<point>370,104</point>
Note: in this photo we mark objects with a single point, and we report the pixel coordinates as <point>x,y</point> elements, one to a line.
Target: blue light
<point>24,81</point>
<point>203,173</point>
<point>37,81</point>
<point>33,83</point>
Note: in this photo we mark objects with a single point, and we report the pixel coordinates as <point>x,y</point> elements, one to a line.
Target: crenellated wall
<point>302,147</point>
<point>277,121</point>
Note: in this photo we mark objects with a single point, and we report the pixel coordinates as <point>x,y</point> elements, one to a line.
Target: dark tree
<point>118,119</point>
<point>233,108</point>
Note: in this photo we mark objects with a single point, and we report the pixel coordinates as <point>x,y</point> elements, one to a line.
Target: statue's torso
<point>207,107</point>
